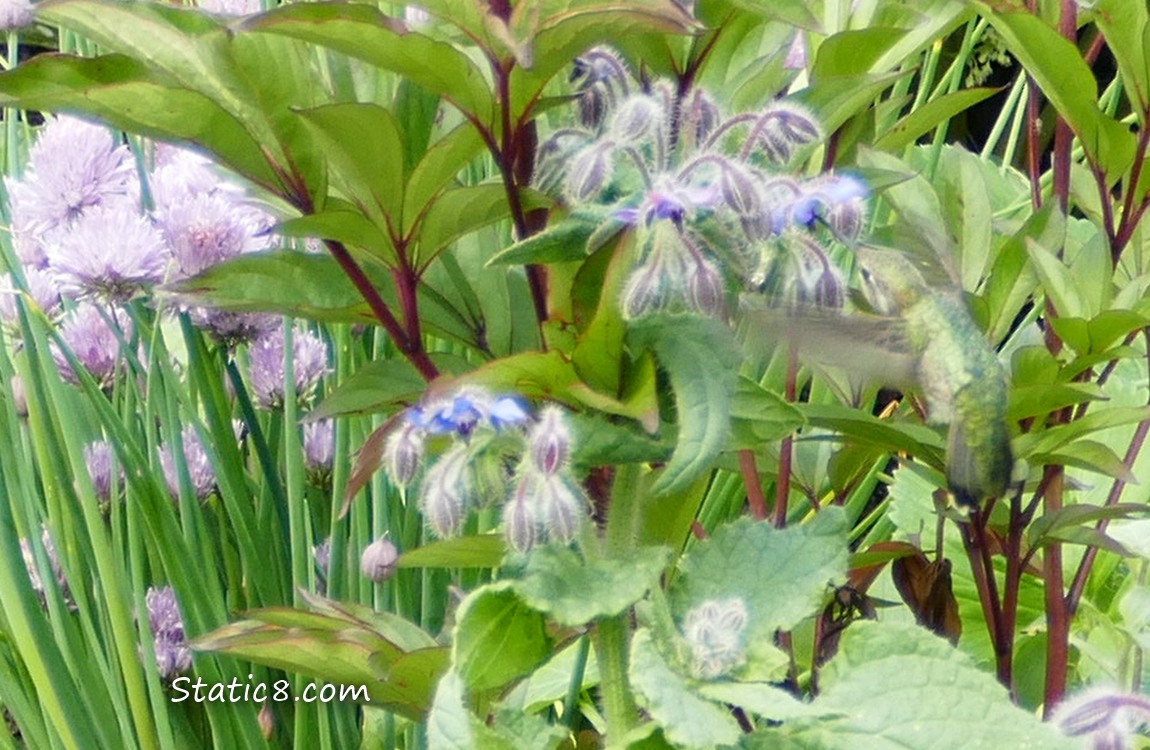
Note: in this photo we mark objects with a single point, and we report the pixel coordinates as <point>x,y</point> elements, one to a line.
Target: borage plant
<point>669,222</point>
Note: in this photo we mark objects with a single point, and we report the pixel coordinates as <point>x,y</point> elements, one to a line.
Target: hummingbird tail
<point>978,461</point>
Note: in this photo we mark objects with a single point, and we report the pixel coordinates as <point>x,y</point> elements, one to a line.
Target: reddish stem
<point>755,498</point>
<point>1057,612</point>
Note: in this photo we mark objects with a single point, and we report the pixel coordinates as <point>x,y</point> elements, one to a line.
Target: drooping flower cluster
<point>1105,719</point>
<point>541,498</point>
<point>709,199</point>
<point>168,639</point>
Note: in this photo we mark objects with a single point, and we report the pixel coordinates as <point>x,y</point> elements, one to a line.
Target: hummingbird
<point>920,335</point>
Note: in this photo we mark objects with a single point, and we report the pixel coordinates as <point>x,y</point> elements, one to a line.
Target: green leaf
<point>859,427</point>
<point>437,169</point>
<point>967,209</point>
<point>558,243</point>
<point>363,32</point>
<point>1061,435</point>
<point>351,228</point>
<point>1089,455</point>
<point>497,638</point>
<point>286,282</point>
<point>363,148</point>
<point>700,358</point>
<point>575,591</point>
<point>854,52</point>
<point>1078,515</point>
<point>836,100</point>
<point>1035,400</point>
<point>897,687</point>
<point>687,720</point>
<point>1012,278</point>
<point>760,698</point>
<point>374,387</point>
<point>1126,26</point>
<point>597,441</point>
<point>482,551</point>
<point>1066,80</point>
<point>759,416</point>
<point>794,12</point>
<point>782,576</point>
<point>927,117</point>
<point>462,210</point>
<point>126,94</point>
<point>1057,282</point>
<point>451,726</point>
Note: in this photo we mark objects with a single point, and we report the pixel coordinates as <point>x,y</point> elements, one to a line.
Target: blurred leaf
<point>1060,435</point>
<point>700,358</point>
<point>574,591</point>
<point>1012,279</point>
<point>374,387</point>
<point>565,241</point>
<point>859,427</point>
<point>1065,79</point>
<point>968,212</point>
<point>781,576</point>
<point>927,117</point>
<point>497,638</point>
<point>482,551</point>
<point>759,416</point>
<point>853,52</point>
<point>1036,400</point>
<point>598,441</point>
<point>1087,454</point>
<point>350,228</point>
<point>365,33</point>
<point>896,686</point>
<point>794,12</point>
<point>1126,26</point>
<point>763,699</point>
<point>688,720</point>
<point>1078,515</point>
<point>599,352</point>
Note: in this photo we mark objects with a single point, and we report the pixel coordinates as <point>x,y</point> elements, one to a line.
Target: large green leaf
<point>124,92</point>
<point>437,169</point>
<point>759,416</point>
<point>497,638</point>
<point>374,387</point>
<point>700,358</point>
<point>1067,81</point>
<point>924,119</point>
<point>687,719</point>
<point>862,428</point>
<point>482,551</point>
<point>853,52</point>
<point>1126,26</point>
<point>363,32</point>
<point>897,687</point>
<point>350,228</point>
<point>461,210</point>
<point>575,591</point>
<point>781,576</point>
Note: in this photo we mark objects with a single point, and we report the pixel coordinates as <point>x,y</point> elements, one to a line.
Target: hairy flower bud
<point>549,442</point>
<point>403,453</point>
<point>782,128</point>
<point>589,171</point>
<point>1106,719</point>
<point>705,288</point>
<point>700,116</point>
<point>715,632</point>
<point>646,290</point>
<point>520,526</point>
<point>636,119</point>
<point>378,560</point>
<point>447,492</point>
<point>561,507</point>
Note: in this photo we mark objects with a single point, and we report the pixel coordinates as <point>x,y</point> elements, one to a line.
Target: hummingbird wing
<point>869,348</point>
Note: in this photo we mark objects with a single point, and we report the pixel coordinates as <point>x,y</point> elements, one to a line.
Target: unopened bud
<point>560,507</point>
<point>782,128</point>
<point>700,117</point>
<point>740,190</point>
<point>550,441</point>
<point>645,292</point>
<point>403,454</point>
<point>377,562</point>
<point>519,523</point>
<point>19,400</point>
<point>446,493</point>
<point>705,288</point>
<point>636,119</point>
<point>267,721</point>
<point>590,169</point>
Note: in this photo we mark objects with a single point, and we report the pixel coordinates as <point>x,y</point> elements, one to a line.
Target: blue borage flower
<point>463,413</point>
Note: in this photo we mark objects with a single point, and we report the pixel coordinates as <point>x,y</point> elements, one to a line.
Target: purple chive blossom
<point>205,229</point>
<point>318,445</point>
<point>111,252</point>
<point>41,288</point>
<point>16,14</point>
<point>233,328</point>
<point>309,363</point>
<point>73,167</point>
<point>100,459</point>
<point>53,562</point>
<point>168,639</point>
<point>199,465</point>
<point>86,332</point>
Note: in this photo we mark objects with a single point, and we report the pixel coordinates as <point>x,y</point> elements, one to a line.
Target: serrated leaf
<point>497,638</point>
<point>700,357</point>
<point>482,551</point>
<point>897,687</point>
<point>575,591</point>
<point>687,720</point>
<point>781,576</point>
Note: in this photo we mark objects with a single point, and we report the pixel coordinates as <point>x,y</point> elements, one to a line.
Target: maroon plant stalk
<point>755,498</point>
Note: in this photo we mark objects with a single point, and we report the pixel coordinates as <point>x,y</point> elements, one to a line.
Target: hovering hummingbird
<point>922,335</point>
